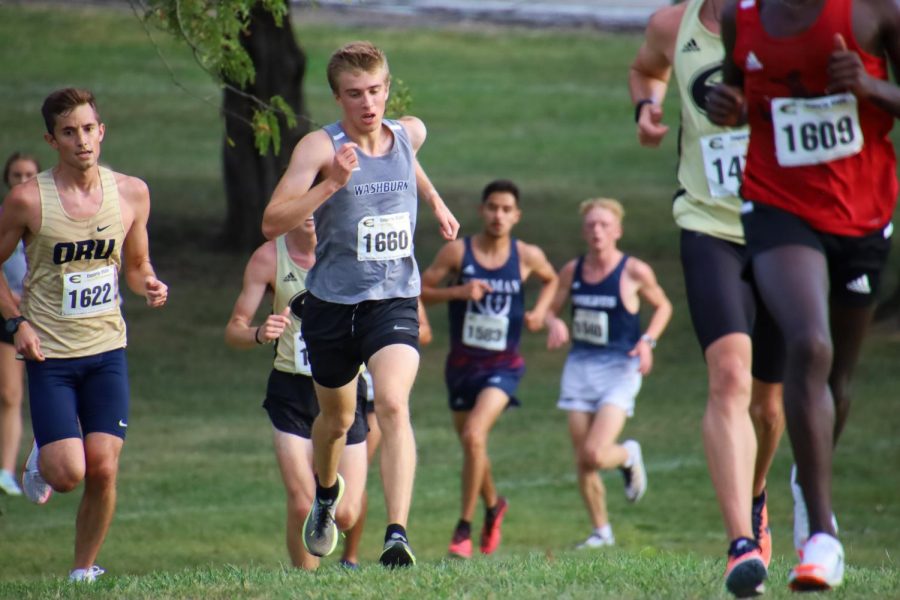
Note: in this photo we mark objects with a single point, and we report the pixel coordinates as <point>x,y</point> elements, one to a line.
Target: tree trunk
<point>250,178</point>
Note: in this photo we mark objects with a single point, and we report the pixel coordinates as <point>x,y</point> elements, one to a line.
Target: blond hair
<point>356,56</point>
<point>613,206</point>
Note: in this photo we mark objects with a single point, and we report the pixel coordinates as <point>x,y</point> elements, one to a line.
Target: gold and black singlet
<point>71,295</point>
<point>290,283</point>
<point>711,158</point>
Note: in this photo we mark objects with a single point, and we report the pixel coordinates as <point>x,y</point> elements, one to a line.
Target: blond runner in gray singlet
<point>360,177</point>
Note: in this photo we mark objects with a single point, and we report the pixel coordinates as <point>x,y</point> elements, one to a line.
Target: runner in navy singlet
<point>487,310</point>
<point>811,77</point>
<point>608,358</point>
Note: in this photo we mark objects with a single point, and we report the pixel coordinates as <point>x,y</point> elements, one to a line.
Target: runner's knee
<point>810,351</point>
<point>336,424</point>
<point>102,471</point>
<point>729,380</point>
<point>10,395</point>
<point>64,477</point>
<point>473,439</point>
<point>298,504</point>
<point>346,515</point>
<point>768,416</point>
<point>391,407</point>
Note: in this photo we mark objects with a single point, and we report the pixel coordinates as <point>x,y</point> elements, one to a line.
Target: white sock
<point>605,531</point>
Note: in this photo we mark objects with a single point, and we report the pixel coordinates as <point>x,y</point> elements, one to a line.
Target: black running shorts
<point>292,406</point>
<point>722,302</point>
<point>341,337</point>
<point>855,264</point>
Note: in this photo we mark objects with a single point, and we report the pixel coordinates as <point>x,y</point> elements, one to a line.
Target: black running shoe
<point>397,552</point>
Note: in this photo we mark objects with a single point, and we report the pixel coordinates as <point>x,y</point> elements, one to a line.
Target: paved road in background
<point>598,14</point>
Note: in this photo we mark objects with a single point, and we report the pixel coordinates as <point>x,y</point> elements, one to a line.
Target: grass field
<point>200,510</point>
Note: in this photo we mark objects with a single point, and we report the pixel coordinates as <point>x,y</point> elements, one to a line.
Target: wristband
<point>256,337</point>
<point>639,106</point>
<point>650,340</point>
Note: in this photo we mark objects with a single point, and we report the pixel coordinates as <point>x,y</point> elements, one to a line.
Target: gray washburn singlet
<point>365,230</point>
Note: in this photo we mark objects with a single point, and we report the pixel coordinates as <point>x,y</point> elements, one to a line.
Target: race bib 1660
<point>384,237</point>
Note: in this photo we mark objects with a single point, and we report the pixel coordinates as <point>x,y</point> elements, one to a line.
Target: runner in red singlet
<point>820,187</point>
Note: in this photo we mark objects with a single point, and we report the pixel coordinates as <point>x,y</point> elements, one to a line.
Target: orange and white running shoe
<point>761,530</point>
<point>745,573</point>
<point>801,517</point>
<point>822,566</point>
<point>461,545</point>
<point>490,533</point>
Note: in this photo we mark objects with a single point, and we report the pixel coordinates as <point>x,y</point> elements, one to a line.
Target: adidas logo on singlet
<point>289,277</point>
<point>860,285</point>
<point>691,46</point>
<point>469,270</point>
<point>752,63</point>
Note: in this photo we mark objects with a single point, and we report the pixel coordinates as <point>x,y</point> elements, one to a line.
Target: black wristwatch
<point>12,325</point>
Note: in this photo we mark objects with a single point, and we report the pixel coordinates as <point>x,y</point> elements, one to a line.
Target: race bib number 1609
<point>812,131</point>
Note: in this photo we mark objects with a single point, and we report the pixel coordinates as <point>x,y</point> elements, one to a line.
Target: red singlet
<point>806,154</point>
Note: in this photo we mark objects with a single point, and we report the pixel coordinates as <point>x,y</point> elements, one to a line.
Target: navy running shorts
<point>72,397</point>
<point>466,381</point>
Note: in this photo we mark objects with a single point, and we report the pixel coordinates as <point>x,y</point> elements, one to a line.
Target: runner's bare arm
<point>725,104</point>
<point>139,273</point>
<point>259,275</point>
<point>425,333</point>
<point>447,223</point>
<point>16,218</point>
<point>13,226</point>
<point>535,261</point>
<point>296,197</point>
<point>846,71</point>
<point>446,266</point>
<point>648,78</point>
<point>651,292</point>
<point>557,331</point>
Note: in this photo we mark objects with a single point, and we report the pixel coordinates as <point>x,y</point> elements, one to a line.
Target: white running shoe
<point>822,566</point>
<point>36,489</point>
<point>596,541</point>
<point>86,575</point>
<point>635,475</point>
<point>801,517</point>
<point>8,484</point>
<point>320,532</point>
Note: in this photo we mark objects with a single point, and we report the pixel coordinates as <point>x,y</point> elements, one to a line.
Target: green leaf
<point>400,101</point>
